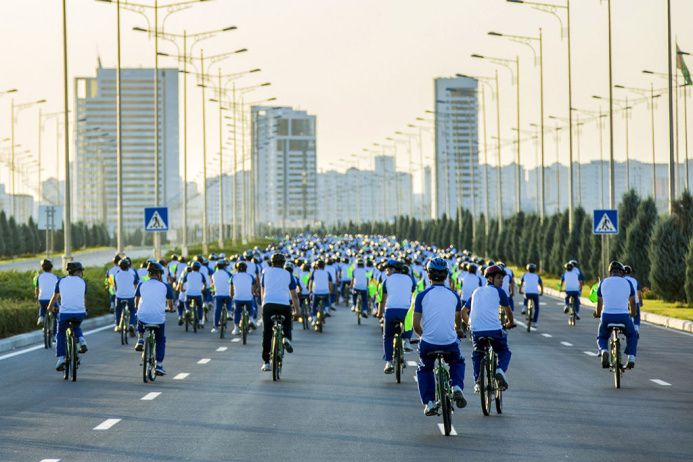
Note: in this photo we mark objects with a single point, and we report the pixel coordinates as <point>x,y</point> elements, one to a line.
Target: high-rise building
<point>283,163</point>
<point>456,163</point>
<point>95,172</point>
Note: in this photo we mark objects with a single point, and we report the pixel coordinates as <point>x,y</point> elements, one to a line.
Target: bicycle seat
<point>438,352</point>
<point>278,317</point>
<point>484,340</point>
<point>151,326</point>
<point>616,326</point>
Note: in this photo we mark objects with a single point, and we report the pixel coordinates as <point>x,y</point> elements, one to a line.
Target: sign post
<point>50,218</point>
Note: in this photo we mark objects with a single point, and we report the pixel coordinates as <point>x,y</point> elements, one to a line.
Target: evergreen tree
<point>586,249</point>
<point>549,231</point>
<point>560,241</point>
<point>500,251</point>
<point>689,273</point>
<point>466,239</point>
<point>13,238</point>
<point>638,240</point>
<point>518,247</point>
<point>668,258</point>
<point>682,212</point>
<point>491,239</point>
<point>479,244</point>
<point>627,211</point>
<point>529,241</point>
<point>572,249</point>
<point>4,230</point>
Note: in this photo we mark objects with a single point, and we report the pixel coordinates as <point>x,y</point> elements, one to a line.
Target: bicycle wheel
<point>47,323</point>
<point>482,386</point>
<point>75,357</point>
<point>445,403</point>
<point>499,394</point>
<point>186,315</point>
<point>530,314</point>
<point>151,370</point>
<point>359,302</point>
<point>571,310</point>
<point>616,361</point>
<point>397,358</point>
<point>245,326</point>
<point>145,361</point>
<point>122,326</point>
<point>318,322</point>
<point>68,355</point>
<point>275,357</point>
<point>194,317</point>
<point>222,322</point>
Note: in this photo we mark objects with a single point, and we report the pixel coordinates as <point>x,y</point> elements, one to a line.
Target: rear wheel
<point>145,361</point>
<point>482,386</point>
<point>186,315</point>
<point>571,319</point>
<point>68,356</point>
<point>397,357</point>
<point>304,315</point>
<point>530,315</point>
<point>245,326</point>
<point>222,323</point>
<point>276,371</point>
<point>123,326</point>
<point>75,358</point>
<point>47,334</point>
<point>151,371</point>
<point>194,318</point>
<point>616,361</point>
<point>445,404</point>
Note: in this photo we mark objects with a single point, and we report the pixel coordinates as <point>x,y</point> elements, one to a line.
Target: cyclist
<point>394,305</point>
<point>440,308</point>
<point>532,287</point>
<point>44,284</point>
<point>303,292</point>
<point>243,290</point>
<point>508,284</point>
<point>72,292</point>
<point>628,271</point>
<point>182,296</point>
<point>470,283</point>
<point>278,287</point>
<point>109,281</point>
<point>221,283</point>
<point>616,305</point>
<point>484,322</point>
<point>321,286</point>
<point>125,282</point>
<point>152,297</point>
<point>332,269</point>
<point>194,283</point>
<point>572,280</point>
<point>346,272</point>
<point>359,285</point>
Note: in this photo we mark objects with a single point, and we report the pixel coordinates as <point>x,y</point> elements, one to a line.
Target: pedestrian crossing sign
<point>156,218</point>
<point>605,221</point>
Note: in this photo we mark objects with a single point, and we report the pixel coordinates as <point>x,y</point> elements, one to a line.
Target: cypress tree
<point>668,257</point>
<point>627,211</point>
<point>572,249</point>
<point>689,273</point>
<point>491,239</point>
<point>4,230</point>
<point>549,231</point>
<point>479,244</point>
<point>638,240</point>
<point>13,238</point>
<point>585,250</point>
<point>560,241</point>
<point>519,247</point>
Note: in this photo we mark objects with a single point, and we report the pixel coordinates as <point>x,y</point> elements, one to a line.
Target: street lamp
<point>16,109</point>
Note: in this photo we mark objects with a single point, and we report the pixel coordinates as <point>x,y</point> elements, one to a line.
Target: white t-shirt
<point>332,269</point>
<point>636,285</point>
<point>125,282</point>
<point>571,281</point>
<point>530,283</point>
<point>46,285</point>
<point>221,280</point>
<point>193,283</point>
<point>277,284</point>
<point>321,281</point>
<point>486,302</point>
<point>438,306</point>
<point>153,293</point>
<point>360,278</point>
<point>243,286</point>
<point>72,290</point>
<point>615,292</point>
<point>470,283</point>
<point>398,288</point>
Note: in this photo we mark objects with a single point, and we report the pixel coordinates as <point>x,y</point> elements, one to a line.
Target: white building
<point>95,173</point>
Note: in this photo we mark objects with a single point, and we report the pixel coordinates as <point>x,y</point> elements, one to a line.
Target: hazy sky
<point>364,67</point>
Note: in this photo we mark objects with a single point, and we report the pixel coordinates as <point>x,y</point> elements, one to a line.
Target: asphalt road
<point>335,404</point>
<point>88,258</point>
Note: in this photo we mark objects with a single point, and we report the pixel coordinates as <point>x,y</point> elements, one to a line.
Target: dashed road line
<point>547,335</point>
<point>50,460</point>
<point>150,396</point>
<point>204,361</point>
<point>520,323</point>
<point>235,340</point>
<point>40,347</point>
<point>181,376</point>
<point>660,382</point>
<point>222,348</point>
<point>453,432</point>
<point>106,424</point>
<point>566,343</point>
<point>591,353</point>
<point>412,363</point>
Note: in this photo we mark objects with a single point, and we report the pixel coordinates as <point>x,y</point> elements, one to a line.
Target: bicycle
<point>319,315</point>
<point>443,390</point>
<point>277,353</point>
<point>359,303</point>
<point>305,313</point>
<point>71,350</point>
<point>530,314</point>
<point>571,311</point>
<point>124,322</point>
<point>223,318</point>
<point>398,351</point>
<point>149,353</point>
<point>48,321</point>
<point>615,358</point>
<point>501,316</point>
<point>245,324</point>
<point>191,316</point>
<point>488,385</point>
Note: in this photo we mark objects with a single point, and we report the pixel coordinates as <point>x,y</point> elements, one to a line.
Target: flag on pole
<point>680,64</point>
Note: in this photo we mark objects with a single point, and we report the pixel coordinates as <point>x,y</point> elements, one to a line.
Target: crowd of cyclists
<point>441,294</point>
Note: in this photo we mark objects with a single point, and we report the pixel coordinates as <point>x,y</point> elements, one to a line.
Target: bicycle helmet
<point>278,258</point>
<point>124,264</point>
<point>289,267</point>
<point>305,267</point>
<point>568,266</point>
<point>46,264</point>
<point>395,265</point>
<point>574,263</point>
<point>627,269</point>
<point>241,266</point>
<point>492,270</point>
<point>532,268</point>
<point>359,261</point>
<point>437,269</point>
<point>221,264</point>
<point>155,268</point>
<point>472,268</point>
<point>500,263</point>
<point>116,259</point>
<point>616,266</point>
<point>405,270</point>
<point>196,265</point>
<point>174,257</point>
<point>73,267</point>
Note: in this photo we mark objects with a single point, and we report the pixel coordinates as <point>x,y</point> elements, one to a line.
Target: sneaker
<point>353,308</point>
<point>159,369</point>
<point>332,308</point>
<point>577,316</point>
<point>131,329</point>
<point>61,364</point>
<point>631,362</point>
<point>266,367</point>
<point>431,409</point>
<point>214,330</point>
<point>40,321</point>
<point>140,345</point>
<point>458,397</point>
<point>201,326</point>
<point>252,324</point>
<point>535,325</point>
<point>116,329</point>
<point>111,309</point>
<point>288,346</point>
<point>407,346</point>
<point>605,359</point>
<point>477,390</point>
<point>180,320</point>
<point>502,382</point>
<point>389,368</point>
<point>236,331</point>
<point>327,314</point>
<point>565,309</point>
<point>83,345</point>
<point>364,314</point>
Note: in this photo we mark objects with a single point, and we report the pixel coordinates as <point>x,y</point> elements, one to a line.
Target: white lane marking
<point>590,353</point>
<point>543,303</point>
<point>50,460</point>
<point>561,304</point>
<point>204,361</point>
<point>150,396</point>
<point>181,376</point>
<point>235,340</point>
<point>520,323</point>
<point>412,363</point>
<point>566,344</point>
<point>442,430</point>
<point>660,382</point>
<point>547,335</point>
<point>222,348</point>
<point>40,347</point>
<point>106,424</point>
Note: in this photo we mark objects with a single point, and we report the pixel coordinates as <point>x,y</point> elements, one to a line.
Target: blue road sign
<point>156,218</point>
<point>605,221</point>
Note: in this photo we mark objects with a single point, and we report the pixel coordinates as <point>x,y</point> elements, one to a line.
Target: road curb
<point>664,321</point>
<point>31,338</point>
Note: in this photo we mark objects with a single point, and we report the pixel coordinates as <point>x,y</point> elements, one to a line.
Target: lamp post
<point>411,175</point>
<point>527,40</point>
<point>558,165</point>
<point>67,234</point>
<point>16,109</point>
<point>623,105</point>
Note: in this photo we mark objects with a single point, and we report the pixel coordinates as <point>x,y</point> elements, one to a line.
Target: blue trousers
<point>576,295</point>
<point>534,297</point>
<point>511,303</point>
<point>631,334</point>
<point>200,308</point>
<point>181,307</point>
<point>62,329</point>
<point>207,295</point>
<point>425,376</point>
<point>344,288</point>
<point>119,310</point>
<point>239,304</point>
<point>220,300</point>
<point>316,299</point>
<point>391,315</point>
<point>364,299</point>
<point>160,338</point>
<point>636,319</point>
<point>499,345</point>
